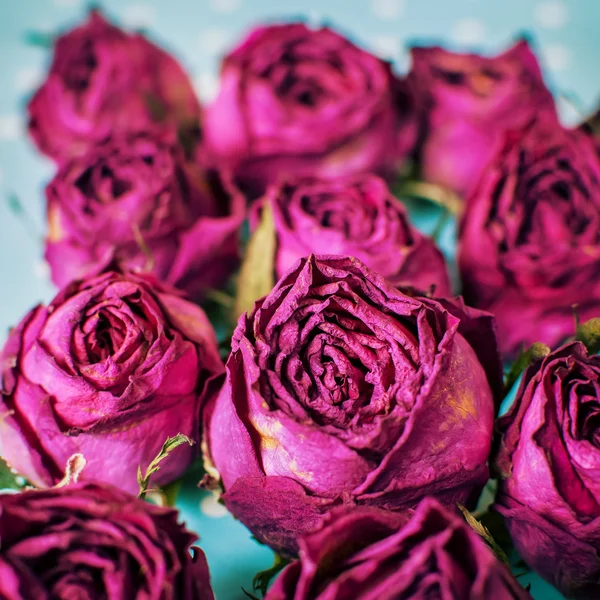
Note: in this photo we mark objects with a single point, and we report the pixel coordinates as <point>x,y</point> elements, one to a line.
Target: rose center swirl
<point>341,363</point>
<point>296,73</point>
<point>351,215</point>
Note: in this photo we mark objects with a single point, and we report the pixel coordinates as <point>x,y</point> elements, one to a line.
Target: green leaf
<point>589,334</point>
<point>171,491</point>
<point>8,479</point>
<point>219,297</point>
<point>219,307</point>
<point>483,532</point>
<point>256,278</point>
<point>261,580</point>
<point>154,466</point>
<point>525,358</point>
<point>431,192</point>
<point>494,522</point>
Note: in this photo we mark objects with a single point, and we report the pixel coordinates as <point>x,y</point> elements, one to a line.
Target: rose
<point>304,102</point>
<point>356,216</point>
<point>94,541</point>
<point>549,459</point>
<point>342,389</point>
<point>135,200</point>
<point>110,369</point>
<point>529,244</point>
<point>468,102</point>
<point>104,81</point>
<point>369,553</point>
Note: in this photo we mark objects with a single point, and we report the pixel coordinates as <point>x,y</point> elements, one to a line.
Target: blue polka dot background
<point>562,32</point>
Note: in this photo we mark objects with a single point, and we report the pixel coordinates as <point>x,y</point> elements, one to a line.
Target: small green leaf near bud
<point>437,194</point>
<point>262,579</point>
<point>483,532</point>
<point>536,351</point>
<point>9,480</point>
<point>589,334</point>
<point>169,445</point>
<point>256,278</point>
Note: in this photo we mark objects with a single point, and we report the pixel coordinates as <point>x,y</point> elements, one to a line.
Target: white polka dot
<point>387,9</point>
<point>556,57</point>
<point>41,269</point>
<point>139,16</point>
<point>552,14</point>
<point>206,86</point>
<point>570,114</point>
<point>569,110</point>
<point>215,41</point>
<point>314,19</point>
<point>211,507</point>
<point>11,127</point>
<point>390,47</point>
<point>469,31</point>
<point>28,79</point>
<point>67,3</point>
<point>20,480</point>
<point>386,46</point>
<point>225,6</point>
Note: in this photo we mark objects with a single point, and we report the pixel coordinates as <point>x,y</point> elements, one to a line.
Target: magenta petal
<point>566,560</point>
<point>113,367</point>
<point>351,391</point>
<point>276,509</point>
<point>341,113</point>
<point>100,82</point>
<point>104,543</point>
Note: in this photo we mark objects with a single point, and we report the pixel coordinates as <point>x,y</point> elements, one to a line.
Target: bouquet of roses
<point>242,285</point>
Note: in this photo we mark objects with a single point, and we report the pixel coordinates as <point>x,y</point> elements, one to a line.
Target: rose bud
<point>356,216</point>
<point>304,102</point>
<point>529,245</point>
<point>94,541</point>
<point>342,389</point>
<point>114,366</point>
<point>105,81</point>
<point>135,200</point>
<point>367,553</point>
<point>468,102</point>
<point>549,460</point>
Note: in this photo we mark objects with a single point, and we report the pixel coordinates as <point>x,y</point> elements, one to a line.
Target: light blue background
<point>565,32</point>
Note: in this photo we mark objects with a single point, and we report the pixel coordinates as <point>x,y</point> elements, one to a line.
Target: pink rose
<point>90,540</point>
<point>104,81</point>
<point>111,368</point>
<point>306,102</point>
<point>342,389</point>
<point>529,243</point>
<point>358,216</point>
<point>468,102</point>
<point>133,199</point>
